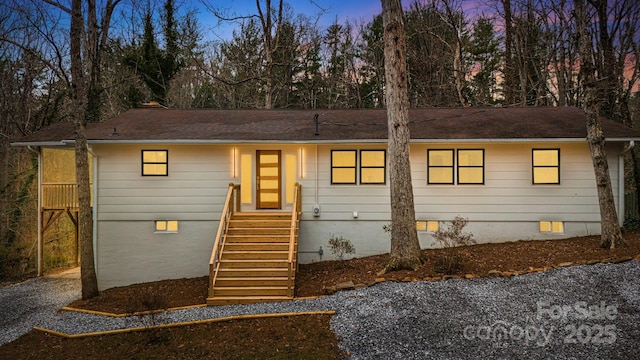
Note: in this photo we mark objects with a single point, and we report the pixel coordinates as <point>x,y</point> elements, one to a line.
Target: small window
<point>373,166</point>
<point>440,166</point>
<point>429,225</point>
<point>155,162</point>
<point>433,226</point>
<point>166,226</point>
<point>546,166</point>
<point>471,166</point>
<point>555,227</point>
<point>343,166</point>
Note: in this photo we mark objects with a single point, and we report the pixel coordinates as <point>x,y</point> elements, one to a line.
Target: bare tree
<point>455,19</point>
<point>87,39</point>
<point>610,230</point>
<point>405,248</point>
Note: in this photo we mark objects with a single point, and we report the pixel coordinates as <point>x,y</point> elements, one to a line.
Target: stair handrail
<point>293,236</point>
<point>229,208</point>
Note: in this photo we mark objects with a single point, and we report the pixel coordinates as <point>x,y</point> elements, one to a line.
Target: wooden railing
<point>231,205</point>
<point>296,211</point>
<point>59,195</point>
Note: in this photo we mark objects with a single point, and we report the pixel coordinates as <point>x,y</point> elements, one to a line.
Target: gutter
<point>621,192</point>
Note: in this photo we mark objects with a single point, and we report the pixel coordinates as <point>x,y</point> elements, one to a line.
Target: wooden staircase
<point>256,258</point>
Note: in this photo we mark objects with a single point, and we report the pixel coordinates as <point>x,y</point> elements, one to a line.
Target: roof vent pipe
<point>315,119</point>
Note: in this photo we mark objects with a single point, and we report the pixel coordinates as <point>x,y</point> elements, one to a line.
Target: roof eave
<point>41,143</point>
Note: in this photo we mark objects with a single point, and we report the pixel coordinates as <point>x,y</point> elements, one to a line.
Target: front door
<point>268,179</point>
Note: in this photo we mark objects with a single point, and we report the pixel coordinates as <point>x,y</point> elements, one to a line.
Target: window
<point>155,162</point>
<point>556,227</point>
<point>470,166</point>
<point>433,226</point>
<point>429,225</point>
<point>166,226</point>
<point>343,166</point>
<point>440,166</point>
<point>546,166</point>
<point>372,166</point>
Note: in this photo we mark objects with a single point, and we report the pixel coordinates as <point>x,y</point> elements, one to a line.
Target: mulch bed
<point>512,258</point>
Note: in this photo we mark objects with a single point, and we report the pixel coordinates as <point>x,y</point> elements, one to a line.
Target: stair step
<point>262,216</point>
<point>250,246</point>
<point>227,300</point>
<point>239,238</point>
<point>265,282</point>
<point>250,291</point>
<point>252,272</point>
<point>259,223</point>
<point>255,255</point>
<point>253,263</point>
<point>258,231</point>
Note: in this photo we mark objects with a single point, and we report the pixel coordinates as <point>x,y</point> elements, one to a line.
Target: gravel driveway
<point>29,303</point>
<point>580,312</point>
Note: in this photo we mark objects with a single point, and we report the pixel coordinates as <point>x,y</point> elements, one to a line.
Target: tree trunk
<point>405,248</point>
<point>78,98</point>
<point>509,81</point>
<point>611,235</point>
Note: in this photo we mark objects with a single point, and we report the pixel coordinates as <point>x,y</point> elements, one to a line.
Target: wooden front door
<point>268,179</point>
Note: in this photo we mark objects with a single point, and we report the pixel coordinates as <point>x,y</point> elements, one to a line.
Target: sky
<point>328,10</point>
<point>356,11</point>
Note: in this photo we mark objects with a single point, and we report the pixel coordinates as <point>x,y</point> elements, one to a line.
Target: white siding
<point>129,252</point>
<point>194,189</point>
<point>506,207</point>
<point>507,194</point>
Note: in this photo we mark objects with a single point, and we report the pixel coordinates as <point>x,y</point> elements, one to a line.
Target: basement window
<point>166,226</point>
<point>427,225</point>
<point>554,227</point>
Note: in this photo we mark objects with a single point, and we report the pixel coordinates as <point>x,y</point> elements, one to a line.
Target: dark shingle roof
<point>336,125</point>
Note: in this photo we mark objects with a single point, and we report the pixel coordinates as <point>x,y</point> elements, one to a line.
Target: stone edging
<point>349,285</point>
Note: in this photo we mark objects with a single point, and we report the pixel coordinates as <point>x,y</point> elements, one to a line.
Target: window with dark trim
<point>155,162</point>
<point>343,166</point>
<point>440,166</point>
<point>373,166</point>
<point>545,166</point>
<point>166,226</point>
<point>470,166</point>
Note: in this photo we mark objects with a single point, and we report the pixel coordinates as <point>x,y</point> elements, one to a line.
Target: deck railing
<point>59,195</point>
<point>296,211</point>
<point>231,205</point>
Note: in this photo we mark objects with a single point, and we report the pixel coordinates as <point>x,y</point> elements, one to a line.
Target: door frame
<point>267,205</point>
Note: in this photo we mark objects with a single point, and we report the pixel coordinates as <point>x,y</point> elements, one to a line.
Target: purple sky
<point>356,11</point>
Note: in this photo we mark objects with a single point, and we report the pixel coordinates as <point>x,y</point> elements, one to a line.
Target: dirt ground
<point>308,337</point>
<point>512,258</point>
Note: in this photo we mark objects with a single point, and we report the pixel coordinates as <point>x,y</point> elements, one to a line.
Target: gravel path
<point>32,302</point>
<point>580,312</point>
